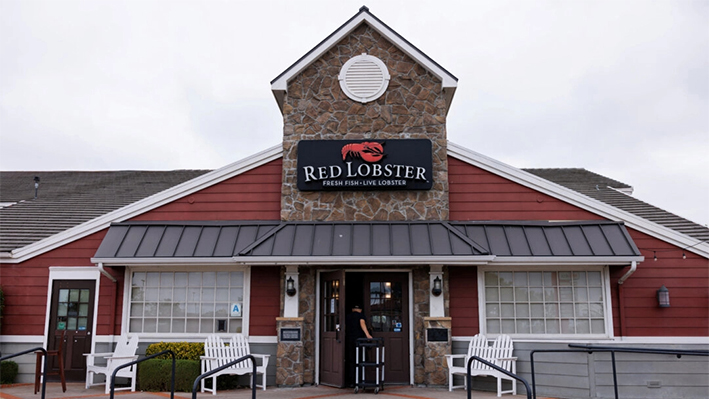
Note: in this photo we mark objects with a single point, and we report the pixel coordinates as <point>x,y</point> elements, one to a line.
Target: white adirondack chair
<point>124,353</point>
<point>217,354</point>
<point>499,354</point>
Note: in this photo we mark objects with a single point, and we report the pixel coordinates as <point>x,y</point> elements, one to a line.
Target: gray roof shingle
<point>67,199</point>
<point>606,190</point>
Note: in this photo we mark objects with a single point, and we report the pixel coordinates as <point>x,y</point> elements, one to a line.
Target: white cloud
<point>620,88</point>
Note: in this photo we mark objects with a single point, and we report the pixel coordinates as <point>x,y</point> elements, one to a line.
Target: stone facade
<point>413,107</point>
<point>435,365</point>
<point>308,300</point>
<point>289,356</point>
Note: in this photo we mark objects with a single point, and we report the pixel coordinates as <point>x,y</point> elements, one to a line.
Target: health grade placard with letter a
<point>356,165</point>
<point>235,310</point>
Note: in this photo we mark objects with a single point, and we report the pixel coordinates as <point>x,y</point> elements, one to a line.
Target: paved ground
<point>77,391</point>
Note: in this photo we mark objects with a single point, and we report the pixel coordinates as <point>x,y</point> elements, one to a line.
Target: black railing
<point>46,364</point>
<point>469,379</point>
<point>218,369</point>
<point>122,366</point>
<point>612,350</point>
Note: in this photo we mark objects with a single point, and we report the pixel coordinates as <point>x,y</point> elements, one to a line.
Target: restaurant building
<point>365,202</point>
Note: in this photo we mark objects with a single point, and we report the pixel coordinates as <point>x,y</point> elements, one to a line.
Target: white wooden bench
<point>499,354</point>
<point>217,354</point>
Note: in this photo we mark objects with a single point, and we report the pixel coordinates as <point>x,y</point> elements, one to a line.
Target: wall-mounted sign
<point>235,310</point>
<point>437,335</point>
<point>355,165</point>
<point>290,334</point>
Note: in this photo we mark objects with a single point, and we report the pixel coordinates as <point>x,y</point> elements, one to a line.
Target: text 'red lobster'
<point>367,151</point>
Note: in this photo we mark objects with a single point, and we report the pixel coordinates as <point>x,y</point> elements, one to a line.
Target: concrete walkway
<point>77,391</point>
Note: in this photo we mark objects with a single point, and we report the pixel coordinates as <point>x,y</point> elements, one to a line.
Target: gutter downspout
<point>110,277</point>
<point>621,298</point>
<point>633,268</point>
<point>114,295</point>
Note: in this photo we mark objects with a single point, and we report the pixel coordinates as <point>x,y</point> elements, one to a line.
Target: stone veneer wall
<point>435,363</point>
<point>306,309</point>
<point>413,107</point>
<point>421,311</point>
<point>289,355</point>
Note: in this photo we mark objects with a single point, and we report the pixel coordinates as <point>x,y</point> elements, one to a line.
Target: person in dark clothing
<point>355,327</point>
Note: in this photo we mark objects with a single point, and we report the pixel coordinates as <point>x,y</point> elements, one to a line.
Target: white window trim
<point>246,306</point>
<point>607,305</point>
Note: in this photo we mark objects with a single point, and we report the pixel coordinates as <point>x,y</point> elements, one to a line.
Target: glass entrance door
<point>387,308</point>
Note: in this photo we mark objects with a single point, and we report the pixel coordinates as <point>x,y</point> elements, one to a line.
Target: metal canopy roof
<point>244,241</point>
<point>551,239</point>
<point>180,239</point>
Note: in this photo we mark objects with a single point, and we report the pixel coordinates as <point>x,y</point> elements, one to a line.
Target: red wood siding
<point>686,279</point>
<point>265,300</point>
<point>463,287</point>
<point>252,195</point>
<point>26,286</point>
<point>476,194</point>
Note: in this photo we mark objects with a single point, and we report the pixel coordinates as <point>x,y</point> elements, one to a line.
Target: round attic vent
<point>364,78</point>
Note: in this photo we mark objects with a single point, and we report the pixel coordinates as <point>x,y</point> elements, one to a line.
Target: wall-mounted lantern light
<point>290,286</point>
<point>436,290</point>
<point>663,297</point>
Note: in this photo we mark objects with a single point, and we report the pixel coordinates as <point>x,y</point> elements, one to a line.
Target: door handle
<point>337,333</point>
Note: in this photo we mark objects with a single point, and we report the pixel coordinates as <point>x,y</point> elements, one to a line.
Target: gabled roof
<point>577,198</point>
<point>616,194</point>
<point>399,242</point>
<point>279,85</point>
<point>79,226</point>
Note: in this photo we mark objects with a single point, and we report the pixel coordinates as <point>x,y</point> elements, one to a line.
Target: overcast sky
<point>620,87</point>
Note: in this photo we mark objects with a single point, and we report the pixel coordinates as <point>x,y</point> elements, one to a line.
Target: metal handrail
<point>469,379</point>
<point>122,366</point>
<point>612,350</point>
<point>220,368</point>
<point>677,352</point>
<point>44,370</point>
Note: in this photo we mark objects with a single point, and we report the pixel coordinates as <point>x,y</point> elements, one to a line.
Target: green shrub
<point>8,372</point>
<point>183,350</point>
<point>154,375</point>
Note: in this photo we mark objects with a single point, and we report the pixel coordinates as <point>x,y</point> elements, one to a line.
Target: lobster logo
<point>367,151</point>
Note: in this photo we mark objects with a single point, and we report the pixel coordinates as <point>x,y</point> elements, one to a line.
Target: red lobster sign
<point>367,151</point>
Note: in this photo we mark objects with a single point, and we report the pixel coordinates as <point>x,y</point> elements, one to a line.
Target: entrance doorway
<point>384,298</point>
<point>72,310</point>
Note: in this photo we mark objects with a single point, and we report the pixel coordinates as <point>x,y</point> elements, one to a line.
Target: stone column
<point>289,358</point>
<point>438,345</point>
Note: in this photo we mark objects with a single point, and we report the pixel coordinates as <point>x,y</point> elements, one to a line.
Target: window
<point>186,302</point>
<point>559,302</point>
<point>73,309</point>
<point>385,301</point>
